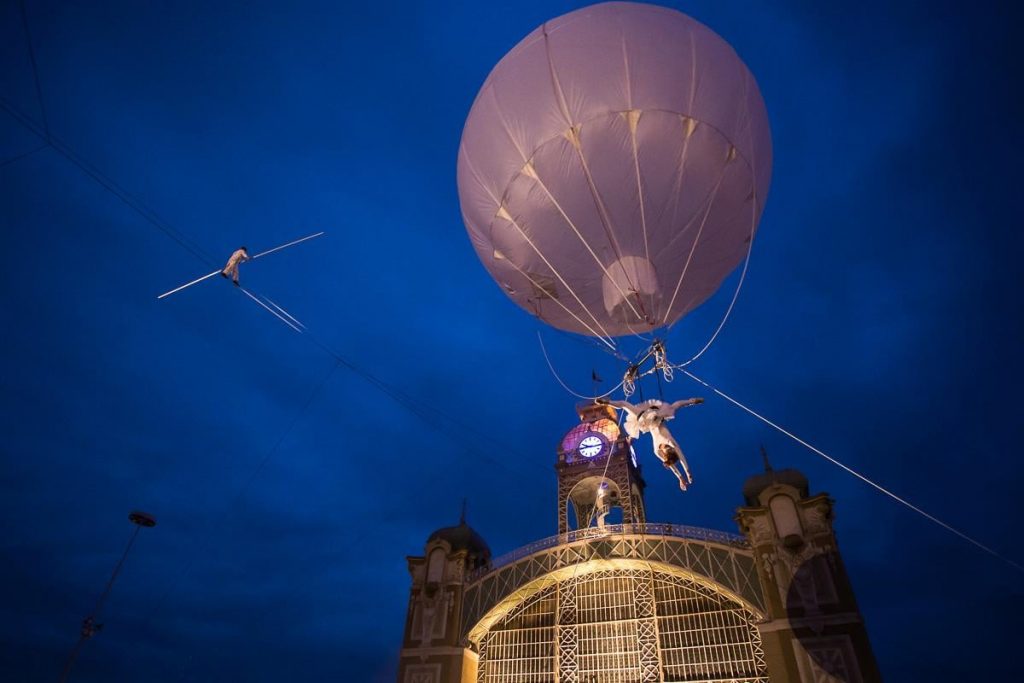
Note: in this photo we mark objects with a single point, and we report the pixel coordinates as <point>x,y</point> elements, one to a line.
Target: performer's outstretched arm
<point>622,405</point>
<point>686,402</point>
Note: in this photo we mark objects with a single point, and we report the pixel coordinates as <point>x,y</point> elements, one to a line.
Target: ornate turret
<point>463,538</point>
<point>757,484</point>
<point>431,647</point>
<point>597,472</point>
<point>813,624</point>
<point>639,602</point>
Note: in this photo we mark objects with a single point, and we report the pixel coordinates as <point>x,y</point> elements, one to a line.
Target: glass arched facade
<point>623,626</point>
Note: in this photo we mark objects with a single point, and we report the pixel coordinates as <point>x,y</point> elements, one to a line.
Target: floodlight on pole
<point>89,625</point>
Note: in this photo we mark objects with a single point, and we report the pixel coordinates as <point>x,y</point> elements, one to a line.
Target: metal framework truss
<point>724,564</point>
<point>624,624</point>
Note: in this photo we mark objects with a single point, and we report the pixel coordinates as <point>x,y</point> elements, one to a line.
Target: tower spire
<point>764,456</point>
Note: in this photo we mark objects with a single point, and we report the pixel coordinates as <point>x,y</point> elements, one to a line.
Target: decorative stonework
<point>455,570</point>
<point>814,613</point>
<point>817,517</point>
<point>433,615</point>
<point>423,673</point>
<point>642,602</point>
<point>759,529</point>
<point>827,660</point>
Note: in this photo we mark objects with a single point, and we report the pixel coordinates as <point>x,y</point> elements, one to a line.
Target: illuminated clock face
<point>591,446</point>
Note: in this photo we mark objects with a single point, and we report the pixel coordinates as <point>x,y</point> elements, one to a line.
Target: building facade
<point>612,598</point>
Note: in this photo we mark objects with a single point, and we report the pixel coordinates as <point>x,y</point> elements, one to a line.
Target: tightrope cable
<point>869,482</point>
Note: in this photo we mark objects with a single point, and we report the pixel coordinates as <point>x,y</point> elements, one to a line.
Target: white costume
<point>650,416</point>
<point>601,507</point>
<point>231,268</point>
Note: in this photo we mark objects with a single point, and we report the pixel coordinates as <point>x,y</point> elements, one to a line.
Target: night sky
<point>880,320</point>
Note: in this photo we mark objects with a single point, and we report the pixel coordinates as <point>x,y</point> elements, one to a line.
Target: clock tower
<point>597,472</point>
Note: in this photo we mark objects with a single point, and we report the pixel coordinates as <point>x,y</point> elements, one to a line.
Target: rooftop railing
<point>692,533</point>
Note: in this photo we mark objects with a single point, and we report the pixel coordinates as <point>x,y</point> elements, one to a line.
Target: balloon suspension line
<point>565,386</point>
<point>631,378</point>
<point>662,367</point>
<point>858,475</point>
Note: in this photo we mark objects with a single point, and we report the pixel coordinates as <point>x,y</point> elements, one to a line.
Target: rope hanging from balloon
<point>657,348</point>
<point>565,386</point>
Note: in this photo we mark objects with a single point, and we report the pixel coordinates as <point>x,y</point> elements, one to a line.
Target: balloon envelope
<point>613,168</point>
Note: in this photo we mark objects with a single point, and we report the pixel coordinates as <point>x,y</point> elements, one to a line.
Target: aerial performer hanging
<point>612,173</point>
<point>650,417</point>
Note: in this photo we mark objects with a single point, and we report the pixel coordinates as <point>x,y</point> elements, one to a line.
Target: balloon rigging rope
<point>858,475</point>
<point>583,240</point>
<point>743,273</point>
<point>405,401</point>
<point>556,85</point>
<point>606,338</point>
<point>554,373</point>
<point>668,367</point>
<point>728,311</point>
<point>696,242</point>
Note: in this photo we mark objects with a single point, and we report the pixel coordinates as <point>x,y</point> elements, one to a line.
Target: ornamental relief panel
<point>817,517</point>
<point>759,528</point>
<point>423,673</point>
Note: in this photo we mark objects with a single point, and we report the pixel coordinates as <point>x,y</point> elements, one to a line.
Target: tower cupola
<point>597,472</point>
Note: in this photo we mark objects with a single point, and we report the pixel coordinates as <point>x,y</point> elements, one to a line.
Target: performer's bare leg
<point>669,458</point>
<point>670,452</point>
<point>686,468</point>
<point>679,476</point>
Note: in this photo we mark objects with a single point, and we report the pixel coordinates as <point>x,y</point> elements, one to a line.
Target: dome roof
<point>462,537</point>
<point>607,428</point>
<point>753,487</point>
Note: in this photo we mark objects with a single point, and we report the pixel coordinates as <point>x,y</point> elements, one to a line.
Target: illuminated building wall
<point>629,602</point>
<point>629,625</point>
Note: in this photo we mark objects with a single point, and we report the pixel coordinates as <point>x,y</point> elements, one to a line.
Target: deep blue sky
<point>880,321</point>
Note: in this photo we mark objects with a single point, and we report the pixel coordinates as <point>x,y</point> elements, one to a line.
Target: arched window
<point>787,519</point>
<point>435,566</point>
<point>617,617</point>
